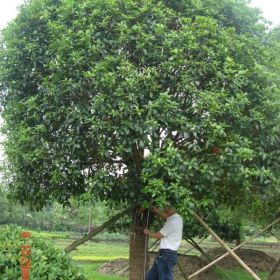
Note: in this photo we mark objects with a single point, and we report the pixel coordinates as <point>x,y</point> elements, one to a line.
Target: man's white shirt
<point>172,232</point>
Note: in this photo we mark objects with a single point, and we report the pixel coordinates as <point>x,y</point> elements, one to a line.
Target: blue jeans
<point>163,266</point>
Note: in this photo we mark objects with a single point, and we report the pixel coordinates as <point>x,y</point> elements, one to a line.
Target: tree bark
<point>138,245</point>
<point>238,240</point>
<point>97,230</point>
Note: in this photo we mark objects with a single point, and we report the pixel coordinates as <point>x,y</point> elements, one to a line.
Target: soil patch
<point>190,264</point>
<point>276,276</point>
<point>258,261</point>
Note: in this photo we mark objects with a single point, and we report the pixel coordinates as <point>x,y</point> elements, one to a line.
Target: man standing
<point>170,238</point>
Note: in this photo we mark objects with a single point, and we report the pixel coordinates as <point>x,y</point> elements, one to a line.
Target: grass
<point>226,274</point>
<point>98,258</point>
<point>90,270</point>
<point>49,235</point>
<point>96,252</point>
<point>91,255</point>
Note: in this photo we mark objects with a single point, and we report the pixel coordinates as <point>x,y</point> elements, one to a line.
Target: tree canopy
<point>133,101</point>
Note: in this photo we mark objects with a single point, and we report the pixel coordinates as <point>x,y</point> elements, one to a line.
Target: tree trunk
<point>138,246</point>
<point>238,239</point>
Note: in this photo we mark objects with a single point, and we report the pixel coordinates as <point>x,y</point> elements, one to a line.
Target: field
<point>238,275</point>
<point>90,269</point>
<point>92,255</point>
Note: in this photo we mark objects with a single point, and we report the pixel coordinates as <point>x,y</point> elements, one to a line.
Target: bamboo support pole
<point>193,247</point>
<point>181,268</point>
<point>278,238</point>
<point>226,254</point>
<point>94,232</point>
<point>208,257</point>
<point>154,245</point>
<point>217,238</point>
<point>272,272</point>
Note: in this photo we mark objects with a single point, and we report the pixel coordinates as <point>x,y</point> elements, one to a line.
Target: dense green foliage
<point>139,100</point>
<point>46,261</point>
<point>274,36</point>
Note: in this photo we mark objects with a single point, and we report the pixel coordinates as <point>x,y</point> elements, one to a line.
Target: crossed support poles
<point>229,251</point>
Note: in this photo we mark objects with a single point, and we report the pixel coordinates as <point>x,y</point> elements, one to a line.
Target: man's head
<point>169,211</point>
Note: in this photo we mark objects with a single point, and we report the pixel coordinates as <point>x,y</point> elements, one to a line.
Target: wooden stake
<point>278,238</point>
<point>181,268</point>
<point>208,257</point>
<point>94,232</point>
<point>226,254</point>
<point>217,238</point>
<point>272,272</point>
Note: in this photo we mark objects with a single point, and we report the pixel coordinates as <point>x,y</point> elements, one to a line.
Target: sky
<point>270,10</point>
<point>8,10</point>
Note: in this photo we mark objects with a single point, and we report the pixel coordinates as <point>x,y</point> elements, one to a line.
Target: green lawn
<point>91,255</point>
<point>237,274</point>
<point>98,252</point>
<point>50,235</point>
<point>90,271</point>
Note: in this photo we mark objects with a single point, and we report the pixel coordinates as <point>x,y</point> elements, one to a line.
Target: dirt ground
<point>276,276</point>
<point>189,263</point>
<point>257,260</point>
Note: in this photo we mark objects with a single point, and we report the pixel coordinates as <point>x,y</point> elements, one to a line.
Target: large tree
<point>134,101</point>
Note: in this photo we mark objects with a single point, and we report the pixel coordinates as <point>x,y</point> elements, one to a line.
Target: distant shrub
<point>50,235</point>
<point>47,262</point>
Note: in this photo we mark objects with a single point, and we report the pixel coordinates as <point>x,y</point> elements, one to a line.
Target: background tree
<point>134,101</point>
<point>54,217</point>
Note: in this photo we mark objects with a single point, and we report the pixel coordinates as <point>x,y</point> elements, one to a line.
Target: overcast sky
<point>8,10</point>
<point>270,10</point>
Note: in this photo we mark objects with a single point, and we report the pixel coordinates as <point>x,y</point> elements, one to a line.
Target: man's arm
<point>156,235</point>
